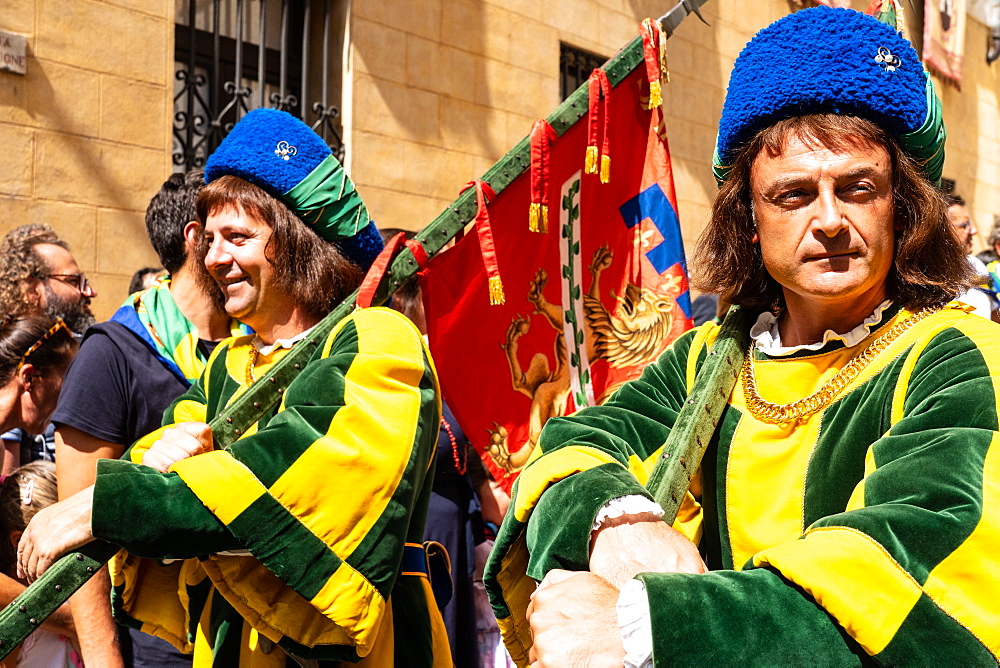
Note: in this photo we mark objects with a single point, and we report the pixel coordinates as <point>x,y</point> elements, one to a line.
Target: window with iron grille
<point>575,66</point>
<point>231,56</point>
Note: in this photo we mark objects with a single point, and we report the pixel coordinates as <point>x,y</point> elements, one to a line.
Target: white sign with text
<point>13,52</point>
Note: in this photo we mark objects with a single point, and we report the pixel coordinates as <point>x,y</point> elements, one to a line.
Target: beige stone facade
<point>434,91</point>
<point>86,131</point>
<point>442,88</point>
<point>972,117</point>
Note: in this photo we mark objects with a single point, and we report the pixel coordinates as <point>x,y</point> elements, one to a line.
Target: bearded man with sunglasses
<point>38,272</point>
<point>39,275</point>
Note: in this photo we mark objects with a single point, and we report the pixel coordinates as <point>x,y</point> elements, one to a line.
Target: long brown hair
<point>929,266</point>
<point>313,271</point>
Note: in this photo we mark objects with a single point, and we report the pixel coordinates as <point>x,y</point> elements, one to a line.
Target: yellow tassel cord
<point>664,70</point>
<point>533,217</point>
<point>605,168</point>
<point>543,219</point>
<point>496,291</point>
<point>655,95</point>
<point>590,164</point>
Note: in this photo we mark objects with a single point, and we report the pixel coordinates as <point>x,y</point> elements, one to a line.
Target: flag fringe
<point>496,291</point>
<point>534,217</point>
<point>655,95</point>
<point>538,218</point>
<point>590,164</point>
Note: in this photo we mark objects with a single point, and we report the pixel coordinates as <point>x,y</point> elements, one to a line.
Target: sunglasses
<point>78,281</point>
<point>53,330</point>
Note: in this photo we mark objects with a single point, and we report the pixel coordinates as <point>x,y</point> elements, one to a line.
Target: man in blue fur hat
<point>300,543</point>
<point>127,372</point>
<point>846,510</point>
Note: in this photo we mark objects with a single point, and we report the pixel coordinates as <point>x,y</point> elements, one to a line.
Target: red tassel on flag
<point>598,86</point>
<point>542,136</point>
<point>486,247</point>
<point>655,56</point>
<point>606,146</point>
<point>593,109</point>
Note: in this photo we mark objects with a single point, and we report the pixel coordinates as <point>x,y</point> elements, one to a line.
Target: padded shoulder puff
<point>255,152</point>
<point>822,60</point>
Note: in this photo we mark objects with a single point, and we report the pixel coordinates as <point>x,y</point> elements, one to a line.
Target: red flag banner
<point>944,38</point>
<point>588,303</point>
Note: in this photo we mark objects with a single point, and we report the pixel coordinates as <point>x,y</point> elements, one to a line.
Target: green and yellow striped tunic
<point>866,533</point>
<point>294,535</point>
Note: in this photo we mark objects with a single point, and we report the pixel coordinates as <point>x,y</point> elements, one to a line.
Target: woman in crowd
<point>34,353</point>
<point>22,494</point>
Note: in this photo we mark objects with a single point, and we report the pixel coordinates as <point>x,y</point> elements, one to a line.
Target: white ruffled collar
<point>768,340</point>
<point>265,349</point>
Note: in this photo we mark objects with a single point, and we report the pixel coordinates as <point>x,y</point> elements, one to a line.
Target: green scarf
<point>154,317</point>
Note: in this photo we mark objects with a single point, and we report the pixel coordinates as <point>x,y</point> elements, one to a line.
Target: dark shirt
<point>115,389</point>
<point>454,520</point>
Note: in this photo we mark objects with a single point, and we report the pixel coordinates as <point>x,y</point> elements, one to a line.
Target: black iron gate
<point>235,55</point>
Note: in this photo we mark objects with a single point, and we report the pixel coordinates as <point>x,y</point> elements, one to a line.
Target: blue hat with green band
<point>282,155</point>
<point>826,60</point>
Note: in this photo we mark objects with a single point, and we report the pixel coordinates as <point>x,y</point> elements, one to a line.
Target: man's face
<point>824,219</point>
<point>237,261</point>
<point>961,225</point>
<point>59,294</point>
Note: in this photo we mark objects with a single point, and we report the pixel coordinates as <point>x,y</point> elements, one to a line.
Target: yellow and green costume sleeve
<point>867,532</point>
<point>323,493</point>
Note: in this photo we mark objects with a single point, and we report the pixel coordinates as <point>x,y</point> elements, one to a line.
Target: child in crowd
<point>22,494</point>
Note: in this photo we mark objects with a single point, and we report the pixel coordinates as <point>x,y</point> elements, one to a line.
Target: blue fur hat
<point>825,60</point>
<point>282,155</point>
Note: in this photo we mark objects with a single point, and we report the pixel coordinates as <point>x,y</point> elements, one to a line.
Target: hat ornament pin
<point>285,150</point>
<point>886,59</point>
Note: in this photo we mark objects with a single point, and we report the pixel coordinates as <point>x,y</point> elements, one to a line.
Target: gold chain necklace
<point>765,411</point>
<point>251,363</point>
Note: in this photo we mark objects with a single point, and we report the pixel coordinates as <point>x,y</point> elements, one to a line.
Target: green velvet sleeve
<point>905,575</point>
<point>338,473</point>
<point>154,515</point>
<point>728,618</point>
<point>629,427</point>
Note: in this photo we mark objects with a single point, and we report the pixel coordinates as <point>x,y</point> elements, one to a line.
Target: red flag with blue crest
<point>594,284</point>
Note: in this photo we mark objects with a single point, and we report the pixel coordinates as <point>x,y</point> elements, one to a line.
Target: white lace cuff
<point>635,624</point>
<point>633,504</point>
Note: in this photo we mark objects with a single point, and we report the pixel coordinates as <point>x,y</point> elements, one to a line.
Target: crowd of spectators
<point>74,391</point>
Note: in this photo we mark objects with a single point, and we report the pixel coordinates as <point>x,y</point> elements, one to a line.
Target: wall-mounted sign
<point>13,52</point>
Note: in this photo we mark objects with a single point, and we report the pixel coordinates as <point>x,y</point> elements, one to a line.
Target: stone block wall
<point>437,91</point>
<point>86,131</point>
<point>972,117</point>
